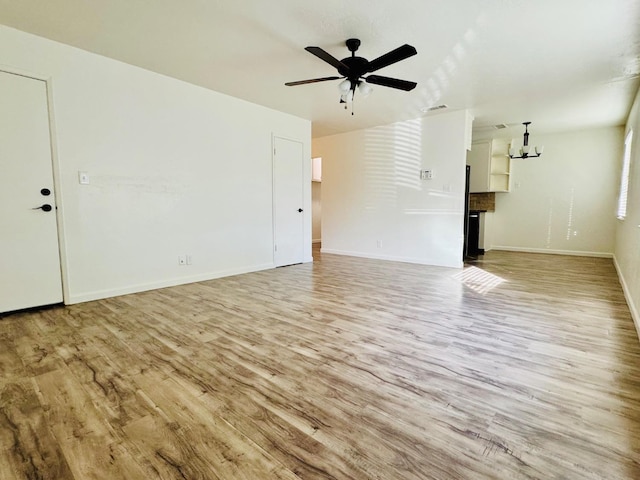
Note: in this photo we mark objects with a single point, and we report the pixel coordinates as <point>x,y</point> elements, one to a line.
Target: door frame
<point>55,169</point>
<point>306,198</point>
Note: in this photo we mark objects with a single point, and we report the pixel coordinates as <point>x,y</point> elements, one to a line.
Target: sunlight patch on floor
<point>479,280</point>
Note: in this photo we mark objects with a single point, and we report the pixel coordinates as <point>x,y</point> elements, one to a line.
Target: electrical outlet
<point>189,260</point>
<point>182,260</point>
<point>83,178</point>
<point>379,243</point>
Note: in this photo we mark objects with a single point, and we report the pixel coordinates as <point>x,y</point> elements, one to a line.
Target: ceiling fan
<point>353,69</point>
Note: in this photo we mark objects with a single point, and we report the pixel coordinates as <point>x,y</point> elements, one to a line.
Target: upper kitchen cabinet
<point>490,166</point>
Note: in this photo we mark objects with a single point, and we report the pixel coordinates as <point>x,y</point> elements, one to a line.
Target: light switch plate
<point>426,174</point>
<point>83,178</point>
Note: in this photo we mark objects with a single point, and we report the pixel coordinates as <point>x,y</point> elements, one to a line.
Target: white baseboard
<point>627,295</point>
<point>172,282</point>
<point>575,253</point>
<point>393,258</point>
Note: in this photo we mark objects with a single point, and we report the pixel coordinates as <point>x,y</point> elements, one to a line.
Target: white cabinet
<point>478,158</point>
<point>490,167</point>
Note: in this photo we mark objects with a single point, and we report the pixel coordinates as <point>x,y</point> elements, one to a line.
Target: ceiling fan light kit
<point>347,90</point>
<point>526,148</point>
<point>353,70</point>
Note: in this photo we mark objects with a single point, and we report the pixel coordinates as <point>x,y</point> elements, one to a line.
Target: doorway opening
<point>316,202</point>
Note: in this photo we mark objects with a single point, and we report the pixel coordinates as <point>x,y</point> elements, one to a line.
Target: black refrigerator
<point>465,248</point>
<point>471,226</point>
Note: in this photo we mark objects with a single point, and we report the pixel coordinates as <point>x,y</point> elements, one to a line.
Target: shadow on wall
<point>392,151</point>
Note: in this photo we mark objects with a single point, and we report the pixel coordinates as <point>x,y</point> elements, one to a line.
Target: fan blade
<point>400,53</point>
<point>327,57</point>
<point>391,82</point>
<point>313,80</point>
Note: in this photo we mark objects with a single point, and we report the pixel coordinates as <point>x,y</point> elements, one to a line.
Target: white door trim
<point>55,168</point>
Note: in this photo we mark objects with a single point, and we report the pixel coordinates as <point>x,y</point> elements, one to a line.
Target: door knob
<point>45,207</point>
<point>300,210</point>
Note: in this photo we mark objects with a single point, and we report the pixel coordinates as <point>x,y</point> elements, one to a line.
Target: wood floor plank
<point>27,447</point>
<point>90,445</point>
<point>520,366</point>
<point>210,445</point>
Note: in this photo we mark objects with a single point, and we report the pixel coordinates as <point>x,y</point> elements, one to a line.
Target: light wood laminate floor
<point>521,366</point>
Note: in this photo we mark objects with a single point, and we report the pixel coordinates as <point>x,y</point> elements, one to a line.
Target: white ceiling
<point>562,64</point>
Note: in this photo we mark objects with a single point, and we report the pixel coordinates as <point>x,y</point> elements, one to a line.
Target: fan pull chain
<point>346,107</point>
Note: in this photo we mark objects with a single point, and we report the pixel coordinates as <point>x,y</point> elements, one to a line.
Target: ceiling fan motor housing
<point>356,67</point>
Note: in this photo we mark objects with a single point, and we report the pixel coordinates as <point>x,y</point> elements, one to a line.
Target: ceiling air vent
<point>500,126</point>
<point>433,109</point>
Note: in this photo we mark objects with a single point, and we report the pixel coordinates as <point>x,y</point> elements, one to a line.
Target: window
<point>624,180</point>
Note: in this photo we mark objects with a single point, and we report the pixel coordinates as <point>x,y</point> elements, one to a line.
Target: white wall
<point>627,249</point>
<point>373,201</point>
<point>564,201</point>
<point>175,169</point>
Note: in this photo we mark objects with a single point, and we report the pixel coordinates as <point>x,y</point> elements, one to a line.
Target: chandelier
<point>524,151</point>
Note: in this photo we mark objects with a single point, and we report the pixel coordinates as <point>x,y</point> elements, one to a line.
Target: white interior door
<point>29,255</point>
<point>288,201</point>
